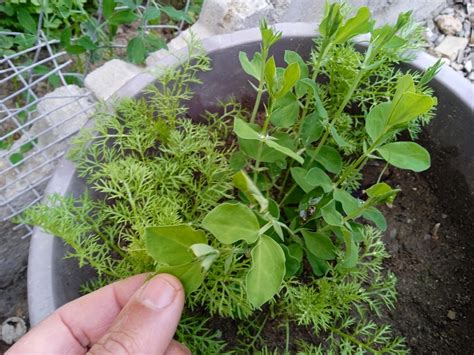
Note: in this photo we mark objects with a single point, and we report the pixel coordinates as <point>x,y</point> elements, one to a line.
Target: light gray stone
<point>451,46</point>
<point>110,77</point>
<point>13,328</point>
<point>449,24</point>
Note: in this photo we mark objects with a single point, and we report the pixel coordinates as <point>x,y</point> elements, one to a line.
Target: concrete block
<point>107,79</point>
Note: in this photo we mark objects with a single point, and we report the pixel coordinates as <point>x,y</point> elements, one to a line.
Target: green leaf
<point>351,254</point>
<point>176,15</point>
<point>317,177</point>
<point>26,20</point>
<point>87,43</point>
<point>332,20</point>
<point>356,25</point>
<point>319,107</point>
<point>285,116</point>
<point>331,215</point>
<point>238,160</point>
<point>151,13</point>
<point>329,158</point>
<point>284,150</point>
<point>270,74</point>
<point>252,68</point>
<point>25,148</point>
<point>206,254</point>
<point>374,215</point>
<point>349,203</point>
<point>230,223</point>
<point>154,42</point>
<point>190,275</point>
<point>65,38</point>
<point>293,259</point>
<point>171,244</point>
<point>267,272</point>
<point>318,265</point>
<point>75,49</point>
<point>290,77</point>
<point>245,184</point>
<point>108,7</point>
<point>406,155</point>
<point>122,17</point>
<point>293,57</point>
<point>341,142</point>
<point>410,106</point>
<point>269,155</point>
<point>136,50</point>
<point>16,158</point>
<point>319,244</point>
<point>381,192</point>
<point>243,130</point>
<point>376,120</point>
<point>311,129</point>
<point>298,174</point>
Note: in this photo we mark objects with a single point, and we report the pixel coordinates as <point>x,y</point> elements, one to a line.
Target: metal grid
<point>36,123</point>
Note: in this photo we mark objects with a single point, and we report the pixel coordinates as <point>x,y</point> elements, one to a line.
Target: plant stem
<point>260,86</point>
<point>354,340</point>
<point>260,143</point>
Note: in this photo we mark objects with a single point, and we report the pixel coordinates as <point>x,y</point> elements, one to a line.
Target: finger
<point>80,323</point>
<point>176,348</point>
<point>148,321</point>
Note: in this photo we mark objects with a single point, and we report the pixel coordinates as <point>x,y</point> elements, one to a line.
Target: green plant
<point>256,212</point>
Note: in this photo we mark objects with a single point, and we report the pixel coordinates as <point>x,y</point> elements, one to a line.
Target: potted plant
<point>258,203</point>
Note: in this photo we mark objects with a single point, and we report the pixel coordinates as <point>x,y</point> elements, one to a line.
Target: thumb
<point>148,321</point>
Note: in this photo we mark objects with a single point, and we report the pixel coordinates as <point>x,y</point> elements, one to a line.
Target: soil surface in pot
<point>429,254</point>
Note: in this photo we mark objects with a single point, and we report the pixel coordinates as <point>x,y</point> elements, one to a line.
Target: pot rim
<point>40,279</point>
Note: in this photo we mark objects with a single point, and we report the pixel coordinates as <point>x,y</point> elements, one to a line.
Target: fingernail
<point>158,293</point>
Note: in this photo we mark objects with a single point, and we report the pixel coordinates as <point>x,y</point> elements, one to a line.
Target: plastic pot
<point>53,281</point>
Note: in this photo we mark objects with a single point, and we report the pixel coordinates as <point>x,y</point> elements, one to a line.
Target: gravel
<point>450,35</point>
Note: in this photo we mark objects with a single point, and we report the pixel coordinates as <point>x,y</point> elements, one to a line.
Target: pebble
<point>13,328</point>
<point>451,46</point>
<point>451,314</point>
<point>468,65</point>
<point>448,24</point>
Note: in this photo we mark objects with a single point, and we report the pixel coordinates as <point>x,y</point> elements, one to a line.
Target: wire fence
<point>35,121</point>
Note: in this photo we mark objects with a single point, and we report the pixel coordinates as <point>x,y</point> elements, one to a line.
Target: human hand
<point>126,317</point>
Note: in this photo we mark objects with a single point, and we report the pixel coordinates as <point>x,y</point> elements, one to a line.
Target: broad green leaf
<point>284,150</point>
<point>136,50</point>
<point>122,17</point>
<point>270,74</point>
<point>319,244</point>
<point>252,68</point>
<point>331,21</point>
<point>269,155</point>
<point>151,13</point>
<point>245,184</point>
<point>318,265</point>
<point>74,49</point>
<point>292,261</point>
<point>381,192</point>
<point>317,177</point>
<point>410,106</point>
<point>349,203</point>
<point>331,215</point>
<point>293,57</point>
<point>319,107</point>
<point>267,272</point>
<point>376,120</point>
<point>16,158</point>
<point>329,158</point>
<point>311,129</point>
<point>26,20</point>
<point>206,254</point>
<point>154,42</point>
<point>290,77</point>
<point>108,7</point>
<point>285,116</point>
<point>374,215</point>
<point>87,43</point>
<point>190,275</point>
<point>238,160</point>
<point>176,15</point>
<point>351,254</point>
<point>406,155</point>
<point>171,244</point>
<point>230,223</point>
<point>25,148</point>
<point>298,174</point>
<point>243,130</point>
<point>65,38</point>
<point>359,24</point>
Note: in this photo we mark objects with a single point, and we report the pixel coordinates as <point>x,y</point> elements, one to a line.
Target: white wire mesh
<point>34,124</point>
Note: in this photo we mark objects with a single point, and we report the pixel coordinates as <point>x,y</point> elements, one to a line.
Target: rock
<point>451,314</point>
<point>449,24</point>
<point>105,81</point>
<point>447,11</point>
<point>471,76</point>
<point>469,64</point>
<point>439,39</point>
<point>13,328</point>
<point>451,46</point>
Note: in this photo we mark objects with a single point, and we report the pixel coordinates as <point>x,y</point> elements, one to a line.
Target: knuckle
<point>117,343</point>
